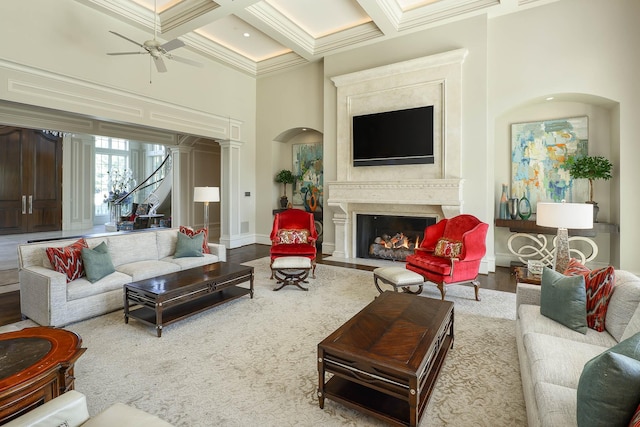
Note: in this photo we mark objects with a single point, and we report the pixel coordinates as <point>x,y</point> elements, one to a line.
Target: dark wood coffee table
<point>165,299</point>
<point>36,365</point>
<point>385,360</point>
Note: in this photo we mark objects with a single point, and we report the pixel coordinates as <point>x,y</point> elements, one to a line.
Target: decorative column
<point>182,189</point>
<point>230,194</point>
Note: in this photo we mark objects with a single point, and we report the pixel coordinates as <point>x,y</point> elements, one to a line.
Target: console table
<point>529,240</point>
<point>37,366</point>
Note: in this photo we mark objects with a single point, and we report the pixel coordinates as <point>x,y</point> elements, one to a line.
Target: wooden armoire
<point>30,181</point>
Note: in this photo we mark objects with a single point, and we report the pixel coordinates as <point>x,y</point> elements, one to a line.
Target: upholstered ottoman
<point>398,277</point>
<point>291,270</point>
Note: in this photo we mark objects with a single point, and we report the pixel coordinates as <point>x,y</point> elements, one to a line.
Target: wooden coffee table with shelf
<point>385,360</point>
<point>165,299</point>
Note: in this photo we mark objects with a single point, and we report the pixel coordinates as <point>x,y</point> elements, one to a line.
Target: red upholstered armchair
<point>450,252</point>
<point>294,234</point>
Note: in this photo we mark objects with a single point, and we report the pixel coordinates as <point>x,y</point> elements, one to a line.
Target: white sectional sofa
<point>553,356</point>
<point>47,298</point>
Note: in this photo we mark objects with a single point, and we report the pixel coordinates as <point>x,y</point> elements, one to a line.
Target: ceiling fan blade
<point>185,61</point>
<point>160,65</point>
<point>127,38</point>
<point>126,53</point>
<point>171,45</point>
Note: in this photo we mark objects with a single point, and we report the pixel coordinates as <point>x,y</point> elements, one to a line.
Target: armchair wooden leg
<point>271,267</point>
<point>313,268</point>
<point>476,287</point>
<point>443,290</point>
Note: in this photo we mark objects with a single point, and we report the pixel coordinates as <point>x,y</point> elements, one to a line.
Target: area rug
<point>253,361</point>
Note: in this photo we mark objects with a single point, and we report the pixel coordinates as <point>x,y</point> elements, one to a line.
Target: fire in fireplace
<point>389,237</point>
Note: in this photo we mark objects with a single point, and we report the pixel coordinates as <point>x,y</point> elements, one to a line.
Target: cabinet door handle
<point>24,205</point>
<point>30,204</point>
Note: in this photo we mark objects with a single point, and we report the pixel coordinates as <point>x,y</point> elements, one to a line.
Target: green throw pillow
<point>97,262</point>
<point>609,387</point>
<point>564,299</point>
<point>189,246</point>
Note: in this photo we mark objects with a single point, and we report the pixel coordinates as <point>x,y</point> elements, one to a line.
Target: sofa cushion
<point>564,299</point>
<point>166,240</point>
<point>635,421</point>
<point>141,270</point>
<point>188,231</point>
<point>299,249</point>
<point>599,285</point>
<point>556,405</point>
<point>191,262</point>
<point>438,265</point>
<point>623,303</point>
<point>634,325</point>
<point>97,262</point>
<point>82,288</point>
<point>609,388</point>
<point>68,259</point>
<point>189,246</point>
<point>532,321</point>
<point>132,247</point>
<point>558,360</point>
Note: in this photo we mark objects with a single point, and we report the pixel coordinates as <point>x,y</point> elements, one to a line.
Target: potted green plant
<point>591,168</point>
<point>285,177</point>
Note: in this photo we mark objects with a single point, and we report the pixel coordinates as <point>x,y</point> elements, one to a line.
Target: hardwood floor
<point>501,280</point>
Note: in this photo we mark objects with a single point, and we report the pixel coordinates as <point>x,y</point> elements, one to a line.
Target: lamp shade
<point>564,215</point>
<point>206,194</point>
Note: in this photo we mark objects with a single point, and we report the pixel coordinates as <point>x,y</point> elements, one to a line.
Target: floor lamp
<point>564,216</point>
<point>206,195</point>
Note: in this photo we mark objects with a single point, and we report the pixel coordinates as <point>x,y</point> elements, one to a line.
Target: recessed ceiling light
<point>304,129</point>
<point>246,35</point>
<point>549,98</point>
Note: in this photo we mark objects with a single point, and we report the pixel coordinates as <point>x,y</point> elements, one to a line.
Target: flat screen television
<point>402,137</point>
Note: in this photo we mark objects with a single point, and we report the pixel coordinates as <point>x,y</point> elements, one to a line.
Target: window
<point>110,154</point>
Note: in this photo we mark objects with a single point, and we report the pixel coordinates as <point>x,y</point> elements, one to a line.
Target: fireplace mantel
<point>445,193</point>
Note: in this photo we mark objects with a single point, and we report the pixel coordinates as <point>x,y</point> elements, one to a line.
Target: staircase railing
<point>145,191</point>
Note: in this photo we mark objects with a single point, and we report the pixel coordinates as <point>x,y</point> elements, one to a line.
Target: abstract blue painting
<point>538,151</point>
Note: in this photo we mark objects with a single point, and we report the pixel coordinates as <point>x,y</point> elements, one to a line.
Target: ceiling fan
<point>156,50</point>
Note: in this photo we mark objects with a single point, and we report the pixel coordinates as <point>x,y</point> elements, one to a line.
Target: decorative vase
<point>524,208</point>
<point>513,208</point>
<point>596,209</point>
<point>504,207</point>
<point>283,202</point>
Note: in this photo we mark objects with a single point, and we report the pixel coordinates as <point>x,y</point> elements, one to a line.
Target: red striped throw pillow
<point>68,260</point>
<point>599,285</point>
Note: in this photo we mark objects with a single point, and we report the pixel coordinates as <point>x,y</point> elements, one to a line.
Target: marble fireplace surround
<point>408,190</point>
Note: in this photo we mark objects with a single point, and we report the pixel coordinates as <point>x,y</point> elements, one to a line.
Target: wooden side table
<point>37,366</point>
<point>524,276</point>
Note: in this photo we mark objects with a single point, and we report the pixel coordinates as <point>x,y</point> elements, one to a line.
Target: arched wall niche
<point>282,152</point>
<point>604,140</point>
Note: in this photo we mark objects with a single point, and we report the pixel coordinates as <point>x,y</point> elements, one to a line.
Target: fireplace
<point>389,237</point>
<point>415,190</point>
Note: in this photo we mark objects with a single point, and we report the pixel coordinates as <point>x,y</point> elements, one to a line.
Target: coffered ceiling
<point>264,36</point>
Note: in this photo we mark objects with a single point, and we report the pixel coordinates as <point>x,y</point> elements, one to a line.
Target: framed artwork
<point>308,169</point>
<point>538,152</point>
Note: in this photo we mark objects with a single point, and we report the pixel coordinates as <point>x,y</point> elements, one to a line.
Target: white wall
<point>584,47</point>
<point>284,101</point>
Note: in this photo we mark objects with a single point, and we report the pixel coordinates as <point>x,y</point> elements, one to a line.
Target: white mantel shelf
<point>433,192</point>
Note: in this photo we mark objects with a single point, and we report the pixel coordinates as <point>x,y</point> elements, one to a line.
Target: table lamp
<point>206,195</point>
<point>564,216</point>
